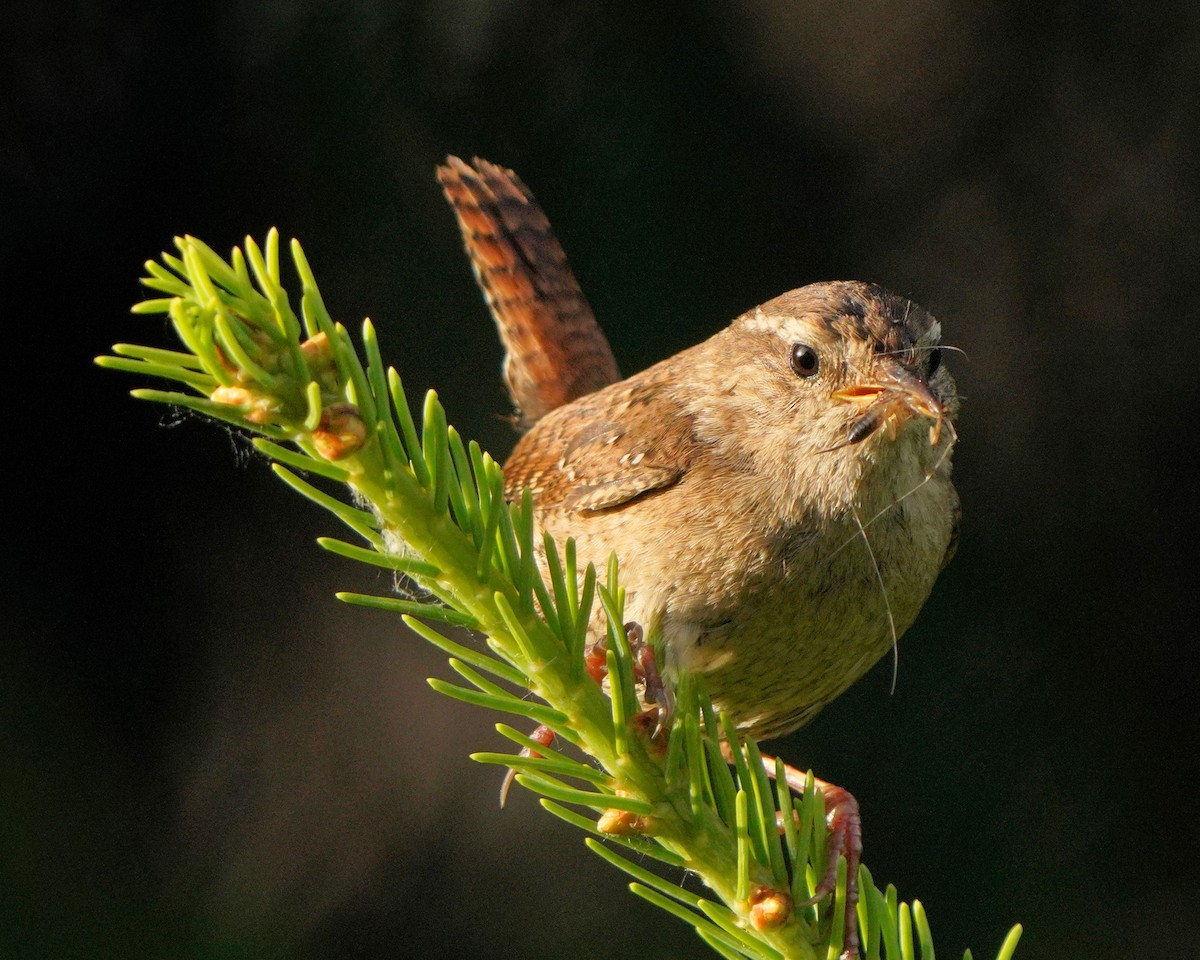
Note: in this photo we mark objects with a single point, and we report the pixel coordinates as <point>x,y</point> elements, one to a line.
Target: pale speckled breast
<point>781,624</point>
<point>793,645</point>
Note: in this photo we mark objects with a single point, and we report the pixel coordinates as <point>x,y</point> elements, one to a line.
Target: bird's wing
<point>602,452</point>
<point>556,352</point>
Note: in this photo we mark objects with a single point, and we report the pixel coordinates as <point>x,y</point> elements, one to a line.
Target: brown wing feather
<point>556,352</point>
<point>590,456</point>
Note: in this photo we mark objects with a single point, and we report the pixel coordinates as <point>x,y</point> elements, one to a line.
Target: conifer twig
<point>432,509</point>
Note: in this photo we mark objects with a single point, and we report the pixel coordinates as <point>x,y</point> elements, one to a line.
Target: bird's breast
<point>813,608</point>
<point>779,613</point>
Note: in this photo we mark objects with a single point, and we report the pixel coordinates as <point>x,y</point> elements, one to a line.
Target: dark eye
<point>935,361</point>
<point>804,360</point>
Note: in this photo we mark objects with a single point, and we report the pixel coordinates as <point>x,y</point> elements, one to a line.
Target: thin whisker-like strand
<point>927,348</point>
<point>887,603</point>
<point>946,425</point>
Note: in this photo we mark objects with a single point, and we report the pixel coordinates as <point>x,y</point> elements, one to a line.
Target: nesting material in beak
<point>891,401</point>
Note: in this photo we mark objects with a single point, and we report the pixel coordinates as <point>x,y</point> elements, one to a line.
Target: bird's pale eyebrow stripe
<point>780,324</point>
<point>760,322</point>
<point>891,323</point>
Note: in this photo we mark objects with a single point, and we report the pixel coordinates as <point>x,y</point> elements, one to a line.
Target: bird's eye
<point>935,361</point>
<point>804,360</point>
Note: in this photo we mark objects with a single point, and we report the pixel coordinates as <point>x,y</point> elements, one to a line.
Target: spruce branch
<point>432,509</point>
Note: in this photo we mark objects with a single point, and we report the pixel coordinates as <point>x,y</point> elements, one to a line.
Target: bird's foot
<point>652,722</point>
<point>540,734</point>
<point>655,719</point>
<point>845,840</point>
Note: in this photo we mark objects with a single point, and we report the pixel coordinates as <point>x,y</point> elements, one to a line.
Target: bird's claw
<point>844,822</point>
<point>655,720</point>
<point>541,734</point>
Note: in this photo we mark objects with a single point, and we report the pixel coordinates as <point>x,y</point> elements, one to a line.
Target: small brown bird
<point>779,495</point>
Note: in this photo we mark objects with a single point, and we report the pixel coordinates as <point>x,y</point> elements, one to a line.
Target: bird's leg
<point>595,660</point>
<point>645,671</point>
<point>845,839</point>
<point>656,718</point>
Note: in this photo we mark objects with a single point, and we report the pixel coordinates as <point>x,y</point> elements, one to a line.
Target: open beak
<point>891,400</point>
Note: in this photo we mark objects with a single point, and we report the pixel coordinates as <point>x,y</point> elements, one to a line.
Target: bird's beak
<point>891,399</point>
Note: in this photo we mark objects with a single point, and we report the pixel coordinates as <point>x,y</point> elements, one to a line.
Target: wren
<point>779,495</point>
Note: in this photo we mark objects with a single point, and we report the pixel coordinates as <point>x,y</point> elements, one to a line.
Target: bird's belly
<point>780,622</point>
<point>809,620</point>
<point>782,655</point>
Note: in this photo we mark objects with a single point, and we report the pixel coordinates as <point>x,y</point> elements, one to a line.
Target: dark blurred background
<point>205,755</point>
